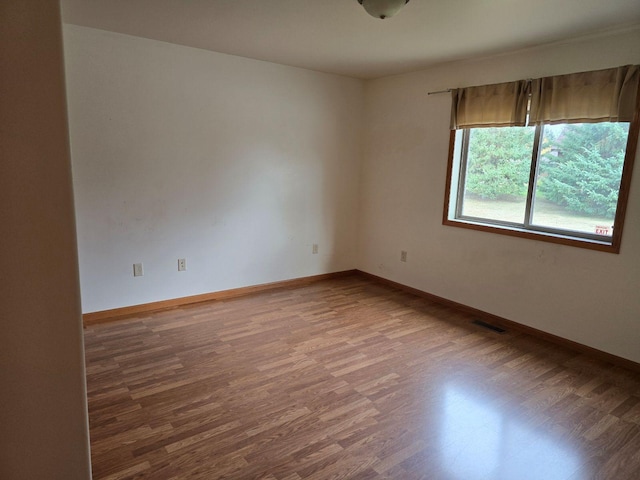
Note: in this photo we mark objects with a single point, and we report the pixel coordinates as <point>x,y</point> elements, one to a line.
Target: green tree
<point>582,170</point>
<point>499,161</point>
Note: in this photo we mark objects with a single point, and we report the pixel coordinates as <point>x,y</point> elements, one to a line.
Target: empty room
<point>285,240</point>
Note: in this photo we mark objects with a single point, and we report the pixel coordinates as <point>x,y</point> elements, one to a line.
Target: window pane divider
<point>463,172</point>
<point>533,172</point>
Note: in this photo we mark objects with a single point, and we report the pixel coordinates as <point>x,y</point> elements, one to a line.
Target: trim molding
<point>510,324</point>
<point>105,316</point>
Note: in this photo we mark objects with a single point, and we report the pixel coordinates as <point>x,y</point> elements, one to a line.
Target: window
<point>545,159</point>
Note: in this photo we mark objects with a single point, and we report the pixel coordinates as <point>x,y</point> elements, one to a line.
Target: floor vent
<point>488,326</point>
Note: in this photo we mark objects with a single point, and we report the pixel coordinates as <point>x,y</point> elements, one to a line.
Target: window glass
<point>496,177</point>
<point>578,180</point>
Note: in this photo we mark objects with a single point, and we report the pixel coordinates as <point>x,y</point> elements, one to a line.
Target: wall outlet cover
<point>137,270</point>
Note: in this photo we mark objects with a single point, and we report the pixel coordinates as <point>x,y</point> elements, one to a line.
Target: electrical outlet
<point>137,270</point>
<point>403,256</point>
<point>182,264</point>
<point>314,249</point>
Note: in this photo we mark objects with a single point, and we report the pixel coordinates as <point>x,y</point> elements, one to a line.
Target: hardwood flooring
<point>348,378</point>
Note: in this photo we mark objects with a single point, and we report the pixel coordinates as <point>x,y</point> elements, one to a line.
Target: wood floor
<point>347,378</point>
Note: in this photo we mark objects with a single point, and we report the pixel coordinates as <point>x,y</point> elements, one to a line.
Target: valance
<point>588,97</point>
<point>498,105</point>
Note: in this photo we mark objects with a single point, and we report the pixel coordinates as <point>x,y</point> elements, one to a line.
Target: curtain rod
<point>448,90</point>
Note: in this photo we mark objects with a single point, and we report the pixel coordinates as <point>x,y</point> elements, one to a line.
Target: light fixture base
<point>382,8</point>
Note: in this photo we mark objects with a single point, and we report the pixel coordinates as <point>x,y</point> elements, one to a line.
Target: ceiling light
<point>382,8</point>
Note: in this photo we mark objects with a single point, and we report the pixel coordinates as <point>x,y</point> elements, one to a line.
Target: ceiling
<point>338,36</point>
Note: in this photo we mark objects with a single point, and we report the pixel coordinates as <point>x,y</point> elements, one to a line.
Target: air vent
<point>488,326</point>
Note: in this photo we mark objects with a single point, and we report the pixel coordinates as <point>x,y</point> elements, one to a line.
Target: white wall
<point>43,406</point>
<point>237,165</point>
<point>586,296</point>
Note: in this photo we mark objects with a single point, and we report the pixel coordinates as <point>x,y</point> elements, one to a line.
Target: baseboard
<point>510,324</point>
<point>105,316</point>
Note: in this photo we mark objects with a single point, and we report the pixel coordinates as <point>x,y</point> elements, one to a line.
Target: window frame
<point>589,241</point>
